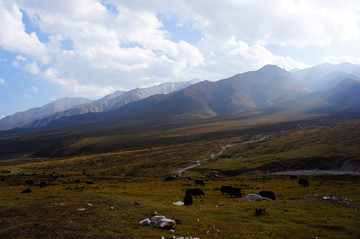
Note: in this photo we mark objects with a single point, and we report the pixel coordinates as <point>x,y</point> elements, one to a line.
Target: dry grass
<point>52,212</point>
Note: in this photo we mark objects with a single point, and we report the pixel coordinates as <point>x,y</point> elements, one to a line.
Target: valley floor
<point>83,205</point>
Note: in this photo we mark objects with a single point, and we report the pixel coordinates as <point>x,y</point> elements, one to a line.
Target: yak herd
<point>189,193</point>
<point>229,190</point>
<point>50,178</point>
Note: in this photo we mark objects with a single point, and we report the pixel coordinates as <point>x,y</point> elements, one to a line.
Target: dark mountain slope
<point>20,119</point>
<point>248,91</point>
<point>346,93</point>
<point>323,77</point>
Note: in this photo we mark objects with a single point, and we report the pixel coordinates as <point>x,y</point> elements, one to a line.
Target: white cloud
<point>130,47</point>
<point>2,116</point>
<point>34,89</point>
<point>2,81</point>
<point>342,59</point>
<point>233,56</point>
<point>32,68</point>
<point>20,58</point>
<point>13,36</point>
<point>289,22</point>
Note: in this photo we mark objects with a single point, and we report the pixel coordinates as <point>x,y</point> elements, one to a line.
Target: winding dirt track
<point>223,148</point>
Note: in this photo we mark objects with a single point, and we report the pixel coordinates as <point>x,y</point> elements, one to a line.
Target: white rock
<point>251,197</point>
<point>167,223</point>
<point>156,219</point>
<point>145,222</point>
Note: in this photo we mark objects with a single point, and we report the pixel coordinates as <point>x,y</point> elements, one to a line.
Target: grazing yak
<point>28,190</point>
<point>188,199</point>
<point>304,182</point>
<point>236,192</point>
<point>194,192</point>
<point>199,182</point>
<point>42,185</point>
<point>170,178</point>
<point>29,182</point>
<point>225,189</point>
<point>268,194</point>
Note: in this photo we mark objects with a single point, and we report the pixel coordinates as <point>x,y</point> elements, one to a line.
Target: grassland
<point>127,168</point>
<point>319,145</point>
<point>112,207</point>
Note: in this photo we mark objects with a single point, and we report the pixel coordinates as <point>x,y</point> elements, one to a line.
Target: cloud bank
<point>94,47</point>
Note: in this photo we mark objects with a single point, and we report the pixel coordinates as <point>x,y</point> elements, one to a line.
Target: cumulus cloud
<point>342,59</point>
<point>2,81</point>
<point>232,56</point>
<point>14,37</point>
<point>32,68</point>
<point>288,22</point>
<point>94,47</point>
<point>34,89</point>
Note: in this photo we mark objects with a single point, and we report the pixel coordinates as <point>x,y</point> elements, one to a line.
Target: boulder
<point>167,223</point>
<point>156,219</point>
<point>251,197</point>
<point>145,222</point>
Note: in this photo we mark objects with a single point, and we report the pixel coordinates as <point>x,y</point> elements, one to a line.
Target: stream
<point>223,148</point>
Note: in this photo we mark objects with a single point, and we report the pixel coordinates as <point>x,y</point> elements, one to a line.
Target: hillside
<point>21,119</point>
<point>324,76</point>
<point>243,92</point>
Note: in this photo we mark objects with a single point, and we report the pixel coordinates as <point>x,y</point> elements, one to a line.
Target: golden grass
<point>293,215</point>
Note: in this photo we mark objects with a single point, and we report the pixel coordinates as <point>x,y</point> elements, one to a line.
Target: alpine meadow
<point>179,119</point>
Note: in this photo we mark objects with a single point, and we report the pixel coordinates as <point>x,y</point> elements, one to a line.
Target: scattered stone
<point>156,219</point>
<point>81,209</point>
<point>179,203</point>
<point>167,223</point>
<point>89,204</point>
<point>145,222</point>
<point>251,197</point>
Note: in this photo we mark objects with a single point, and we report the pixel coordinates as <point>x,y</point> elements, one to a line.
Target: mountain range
<point>255,102</point>
<point>325,84</point>
<point>65,107</point>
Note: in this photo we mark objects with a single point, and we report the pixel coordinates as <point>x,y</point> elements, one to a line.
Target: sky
<point>51,49</point>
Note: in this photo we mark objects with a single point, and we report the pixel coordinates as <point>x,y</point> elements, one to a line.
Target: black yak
<point>225,189</point>
<point>268,194</point>
<point>236,192</point>
<point>170,178</point>
<point>199,182</point>
<point>28,190</point>
<point>188,199</point>
<point>194,192</point>
<point>304,182</point>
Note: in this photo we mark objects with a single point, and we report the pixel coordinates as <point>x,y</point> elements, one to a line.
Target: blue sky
<point>89,48</point>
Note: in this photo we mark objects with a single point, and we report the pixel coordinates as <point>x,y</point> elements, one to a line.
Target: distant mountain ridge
<point>243,92</point>
<point>22,118</point>
<point>323,76</point>
<point>40,116</point>
<point>268,86</point>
